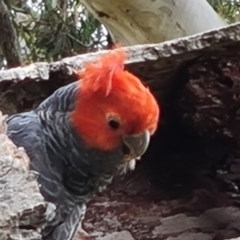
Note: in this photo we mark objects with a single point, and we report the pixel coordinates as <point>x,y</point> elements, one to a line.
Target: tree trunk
<point>9,40</point>
<point>187,184</point>
<point>22,206</point>
<point>145,21</point>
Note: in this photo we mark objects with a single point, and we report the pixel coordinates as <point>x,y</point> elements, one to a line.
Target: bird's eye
<point>114,123</point>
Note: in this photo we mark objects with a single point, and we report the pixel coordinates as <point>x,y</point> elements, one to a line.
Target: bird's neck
<point>83,170</point>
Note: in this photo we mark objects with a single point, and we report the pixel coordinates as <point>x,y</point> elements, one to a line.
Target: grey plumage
<point>68,173</point>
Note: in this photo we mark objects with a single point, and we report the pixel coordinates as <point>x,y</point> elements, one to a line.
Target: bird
<point>83,135</point>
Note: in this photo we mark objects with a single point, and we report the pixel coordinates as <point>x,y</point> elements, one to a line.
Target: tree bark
<point>141,21</point>
<point>22,206</point>
<point>187,184</point>
<point>9,40</point>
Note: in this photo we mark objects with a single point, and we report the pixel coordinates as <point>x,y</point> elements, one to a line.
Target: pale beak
<point>136,145</point>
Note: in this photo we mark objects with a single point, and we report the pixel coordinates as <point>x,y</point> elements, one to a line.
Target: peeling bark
<point>9,40</point>
<point>187,185</point>
<point>22,206</point>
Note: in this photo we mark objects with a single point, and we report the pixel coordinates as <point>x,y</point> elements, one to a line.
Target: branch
<point>9,40</point>
<point>157,64</point>
<point>141,21</point>
<point>21,205</point>
<point>196,80</point>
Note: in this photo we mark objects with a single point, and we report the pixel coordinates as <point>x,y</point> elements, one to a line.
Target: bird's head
<point>114,109</point>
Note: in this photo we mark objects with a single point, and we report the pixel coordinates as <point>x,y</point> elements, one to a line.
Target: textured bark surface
<point>160,65</point>
<point>187,185</point>
<point>21,205</point>
<point>9,39</point>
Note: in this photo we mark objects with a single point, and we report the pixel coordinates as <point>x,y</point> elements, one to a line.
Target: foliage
<point>52,29</point>
<point>228,9</point>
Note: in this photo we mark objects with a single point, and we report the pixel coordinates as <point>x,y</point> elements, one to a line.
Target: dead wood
<point>22,207</point>
<point>187,186</point>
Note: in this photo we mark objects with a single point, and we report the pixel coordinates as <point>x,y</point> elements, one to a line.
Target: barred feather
<point>70,144</point>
